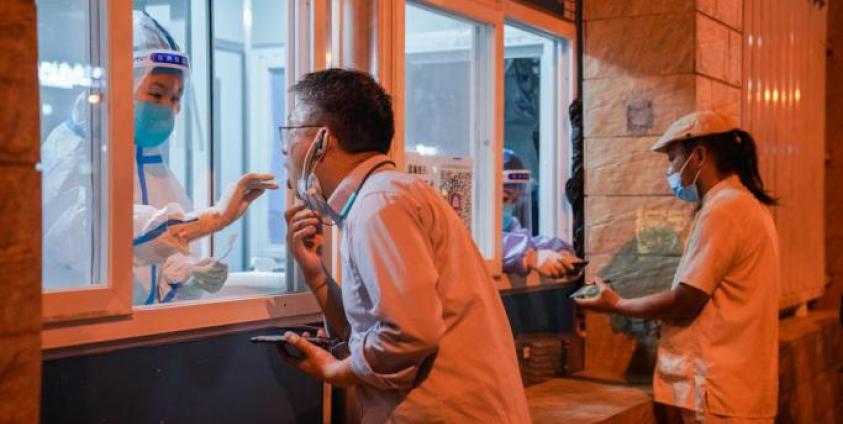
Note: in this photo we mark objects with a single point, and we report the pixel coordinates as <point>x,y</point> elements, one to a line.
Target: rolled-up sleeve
<point>393,258</point>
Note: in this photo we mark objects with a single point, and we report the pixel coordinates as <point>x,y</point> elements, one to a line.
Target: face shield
<point>162,89</point>
<point>516,199</point>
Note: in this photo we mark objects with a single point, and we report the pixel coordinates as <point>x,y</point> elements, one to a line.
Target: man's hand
<point>317,362</point>
<point>606,301</point>
<point>304,239</point>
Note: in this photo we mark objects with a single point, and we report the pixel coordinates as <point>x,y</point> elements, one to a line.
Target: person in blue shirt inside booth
<point>164,223</point>
<point>551,257</point>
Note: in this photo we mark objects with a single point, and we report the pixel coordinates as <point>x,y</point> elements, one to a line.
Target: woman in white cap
<point>718,352</point>
<point>166,269</point>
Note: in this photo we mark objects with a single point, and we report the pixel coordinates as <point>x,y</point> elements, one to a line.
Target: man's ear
<point>701,151</point>
<point>322,141</point>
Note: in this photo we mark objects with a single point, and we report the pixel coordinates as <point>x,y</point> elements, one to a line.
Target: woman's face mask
<point>510,199</point>
<point>687,193</point>
<point>157,101</point>
<point>508,213</point>
<point>153,123</point>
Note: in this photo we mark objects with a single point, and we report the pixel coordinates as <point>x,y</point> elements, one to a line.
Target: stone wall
<point>810,380</point>
<point>638,77</point>
<point>647,63</point>
<point>20,212</point>
<point>834,157</point>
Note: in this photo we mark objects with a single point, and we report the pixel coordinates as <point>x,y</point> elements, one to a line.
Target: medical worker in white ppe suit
<point>164,223</point>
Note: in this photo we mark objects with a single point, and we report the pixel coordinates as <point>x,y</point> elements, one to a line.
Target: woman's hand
<point>239,196</point>
<point>553,264</point>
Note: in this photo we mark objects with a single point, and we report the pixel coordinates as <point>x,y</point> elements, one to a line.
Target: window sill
<point>154,324</point>
<point>248,284</point>
<point>509,283</point>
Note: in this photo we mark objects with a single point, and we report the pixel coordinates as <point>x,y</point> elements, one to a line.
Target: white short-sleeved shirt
<point>429,335</point>
<point>725,361</point>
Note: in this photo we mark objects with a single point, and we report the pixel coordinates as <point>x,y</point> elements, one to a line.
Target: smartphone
<point>323,342</point>
<point>587,291</point>
<point>578,267</point>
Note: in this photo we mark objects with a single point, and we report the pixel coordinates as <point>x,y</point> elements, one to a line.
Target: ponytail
<point>735,152</point>
<point>746,166</point>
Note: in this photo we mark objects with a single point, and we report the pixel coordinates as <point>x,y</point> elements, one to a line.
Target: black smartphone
<point>323,342</point>
<point>299,329</point>
<point>326,343</point>
<point>578,267</point>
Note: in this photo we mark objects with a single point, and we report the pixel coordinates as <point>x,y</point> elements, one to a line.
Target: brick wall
<point>20,213</point>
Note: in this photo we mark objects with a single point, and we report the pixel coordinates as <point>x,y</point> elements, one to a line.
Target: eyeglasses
<point>285,129</point>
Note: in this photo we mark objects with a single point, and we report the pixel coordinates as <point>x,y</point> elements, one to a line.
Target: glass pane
<point>535,164</point>
<point>233,103</point>
<point>73,129</point>
<point>443,89</point>
<point>250,96</point>
<point>524,52</point>
<point>438,69</point>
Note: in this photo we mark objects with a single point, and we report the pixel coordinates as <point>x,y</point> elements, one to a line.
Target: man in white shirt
<point>428,335</point>
<point>718,352</point>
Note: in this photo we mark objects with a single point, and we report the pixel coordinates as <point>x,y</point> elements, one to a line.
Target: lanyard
<point>347,207</point>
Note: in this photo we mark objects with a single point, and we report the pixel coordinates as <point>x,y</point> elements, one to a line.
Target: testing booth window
<point>232,101</point>
<point>239,81</point>
<point>536,98</point>
<point>71,73</point>
<point>449,94</point>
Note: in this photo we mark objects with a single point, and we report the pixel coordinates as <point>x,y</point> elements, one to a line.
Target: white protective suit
<point>163,222</point>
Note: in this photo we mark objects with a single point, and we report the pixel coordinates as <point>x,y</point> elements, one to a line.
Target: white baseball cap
<point>694,125</point>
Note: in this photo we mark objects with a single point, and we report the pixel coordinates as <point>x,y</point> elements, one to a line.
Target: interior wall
<point>20,212</point>
<point>834,157</point>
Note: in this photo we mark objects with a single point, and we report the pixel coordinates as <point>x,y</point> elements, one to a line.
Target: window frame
<point>96,318</point>
<point>489,143</point>
<point>113,297</point>
<point>103,317</point>
<point>496,15</point>
<point>558,220</point>
<point>555,215</point>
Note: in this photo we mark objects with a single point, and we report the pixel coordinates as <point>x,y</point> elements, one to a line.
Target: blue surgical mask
<point>687,193</point>
<point>508,214</point>
<point>308,188</point>
<point>153,123</point>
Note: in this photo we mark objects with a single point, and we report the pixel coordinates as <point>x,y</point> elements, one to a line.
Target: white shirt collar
<point>339,200</point>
